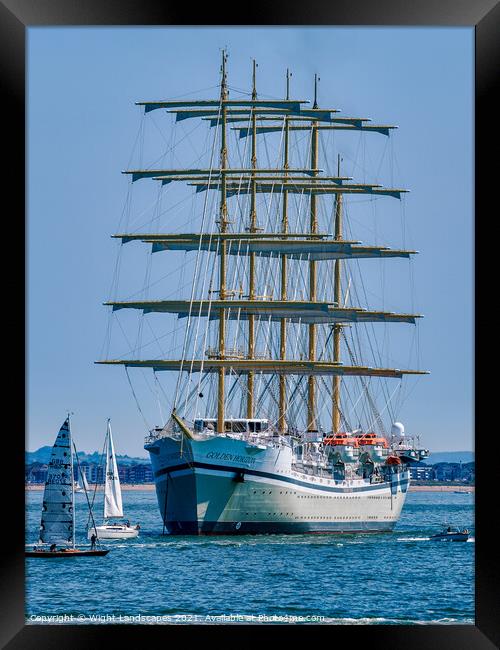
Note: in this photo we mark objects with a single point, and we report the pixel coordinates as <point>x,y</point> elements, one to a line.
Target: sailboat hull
<point>228,487</point>
<point>68,553</point>
<point>114,532</point>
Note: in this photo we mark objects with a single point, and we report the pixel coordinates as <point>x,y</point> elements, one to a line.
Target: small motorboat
<point>451,534</point>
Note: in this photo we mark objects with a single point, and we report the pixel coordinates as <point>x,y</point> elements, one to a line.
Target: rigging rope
<point>148,428</point>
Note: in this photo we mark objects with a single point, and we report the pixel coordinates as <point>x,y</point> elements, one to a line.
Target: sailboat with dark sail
<point>57,526</point>
<point>246,449</point>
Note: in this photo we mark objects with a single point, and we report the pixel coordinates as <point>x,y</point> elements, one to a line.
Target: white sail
<point>57,524</point>
<point>85,484</point>
<point>112,491</point>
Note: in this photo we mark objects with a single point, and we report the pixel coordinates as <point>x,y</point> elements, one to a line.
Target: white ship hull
<point>222,485</point>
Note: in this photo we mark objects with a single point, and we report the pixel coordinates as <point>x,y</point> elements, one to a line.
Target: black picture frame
<point>15,17</point>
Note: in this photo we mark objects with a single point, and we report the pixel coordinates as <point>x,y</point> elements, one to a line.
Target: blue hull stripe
<point>275,528</point>
<point>285,479</point>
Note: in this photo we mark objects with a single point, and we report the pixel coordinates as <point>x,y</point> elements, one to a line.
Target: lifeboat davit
<point>344,446</point>
<point>376,447</point>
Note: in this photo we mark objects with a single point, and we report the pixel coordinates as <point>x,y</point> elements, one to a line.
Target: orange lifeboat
<point>341,439</point>
<point>393,460</point>
<point>343,446</point>
<point>372,439</point>
<point>376,447</point>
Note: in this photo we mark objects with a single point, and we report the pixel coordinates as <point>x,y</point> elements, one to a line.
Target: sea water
<point>390,578</point>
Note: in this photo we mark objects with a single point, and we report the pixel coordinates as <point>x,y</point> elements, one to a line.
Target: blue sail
<point>57,524</point>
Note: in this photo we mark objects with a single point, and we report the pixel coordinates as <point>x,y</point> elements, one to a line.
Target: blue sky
<point>82,124</point>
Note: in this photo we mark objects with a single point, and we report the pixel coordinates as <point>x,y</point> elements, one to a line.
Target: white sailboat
<point>83,486</point>
<point>57,526</point>
<point>113,507</point>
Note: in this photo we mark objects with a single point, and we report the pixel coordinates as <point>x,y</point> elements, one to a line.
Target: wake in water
<point>425,539</point>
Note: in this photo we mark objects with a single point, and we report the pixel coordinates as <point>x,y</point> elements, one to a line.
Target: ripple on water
<point>324,575</point>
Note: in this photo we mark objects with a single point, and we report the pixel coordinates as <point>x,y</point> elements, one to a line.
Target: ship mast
<point>311,396</point>
<point>252,229</point>
<point>282,243</point>
<point>223,222</point>
<point>337,298</point>
<point>284,227</point>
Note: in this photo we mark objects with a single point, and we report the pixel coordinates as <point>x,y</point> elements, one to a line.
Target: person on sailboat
<point>52,547</point>
<point>92,542</point>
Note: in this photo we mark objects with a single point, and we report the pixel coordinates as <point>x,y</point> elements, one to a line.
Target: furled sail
<point>57,524</point>
<point>112,491</point>
<point>280,260</point>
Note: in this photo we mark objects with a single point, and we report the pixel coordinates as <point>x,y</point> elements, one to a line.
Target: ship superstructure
<point>246,449</point>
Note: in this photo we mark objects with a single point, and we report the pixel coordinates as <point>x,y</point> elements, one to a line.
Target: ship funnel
<point>398,429</point>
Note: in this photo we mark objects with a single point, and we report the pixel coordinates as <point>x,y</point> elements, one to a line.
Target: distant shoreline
<point>149,487</point>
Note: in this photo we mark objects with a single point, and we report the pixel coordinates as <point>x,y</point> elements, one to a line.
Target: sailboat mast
<point>223,228</point>
<point>253,228</point>
<point>284,227</point>
<point>106,470</point>
<point>337,297</point>
<point>72,481</point>
<point>311,391</point>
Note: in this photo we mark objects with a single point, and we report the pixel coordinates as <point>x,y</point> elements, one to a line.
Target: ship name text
<point>218,455</point>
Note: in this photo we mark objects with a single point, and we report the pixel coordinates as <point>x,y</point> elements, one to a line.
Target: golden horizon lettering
<point>219,455</point>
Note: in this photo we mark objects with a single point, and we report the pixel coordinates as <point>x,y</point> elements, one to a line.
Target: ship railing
<point>155,435</point>
<point>257,439</point>
<point>351,476</point>
<point>229,353</point>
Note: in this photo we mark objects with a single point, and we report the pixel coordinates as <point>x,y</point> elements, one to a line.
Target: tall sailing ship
<point>271,342</point>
